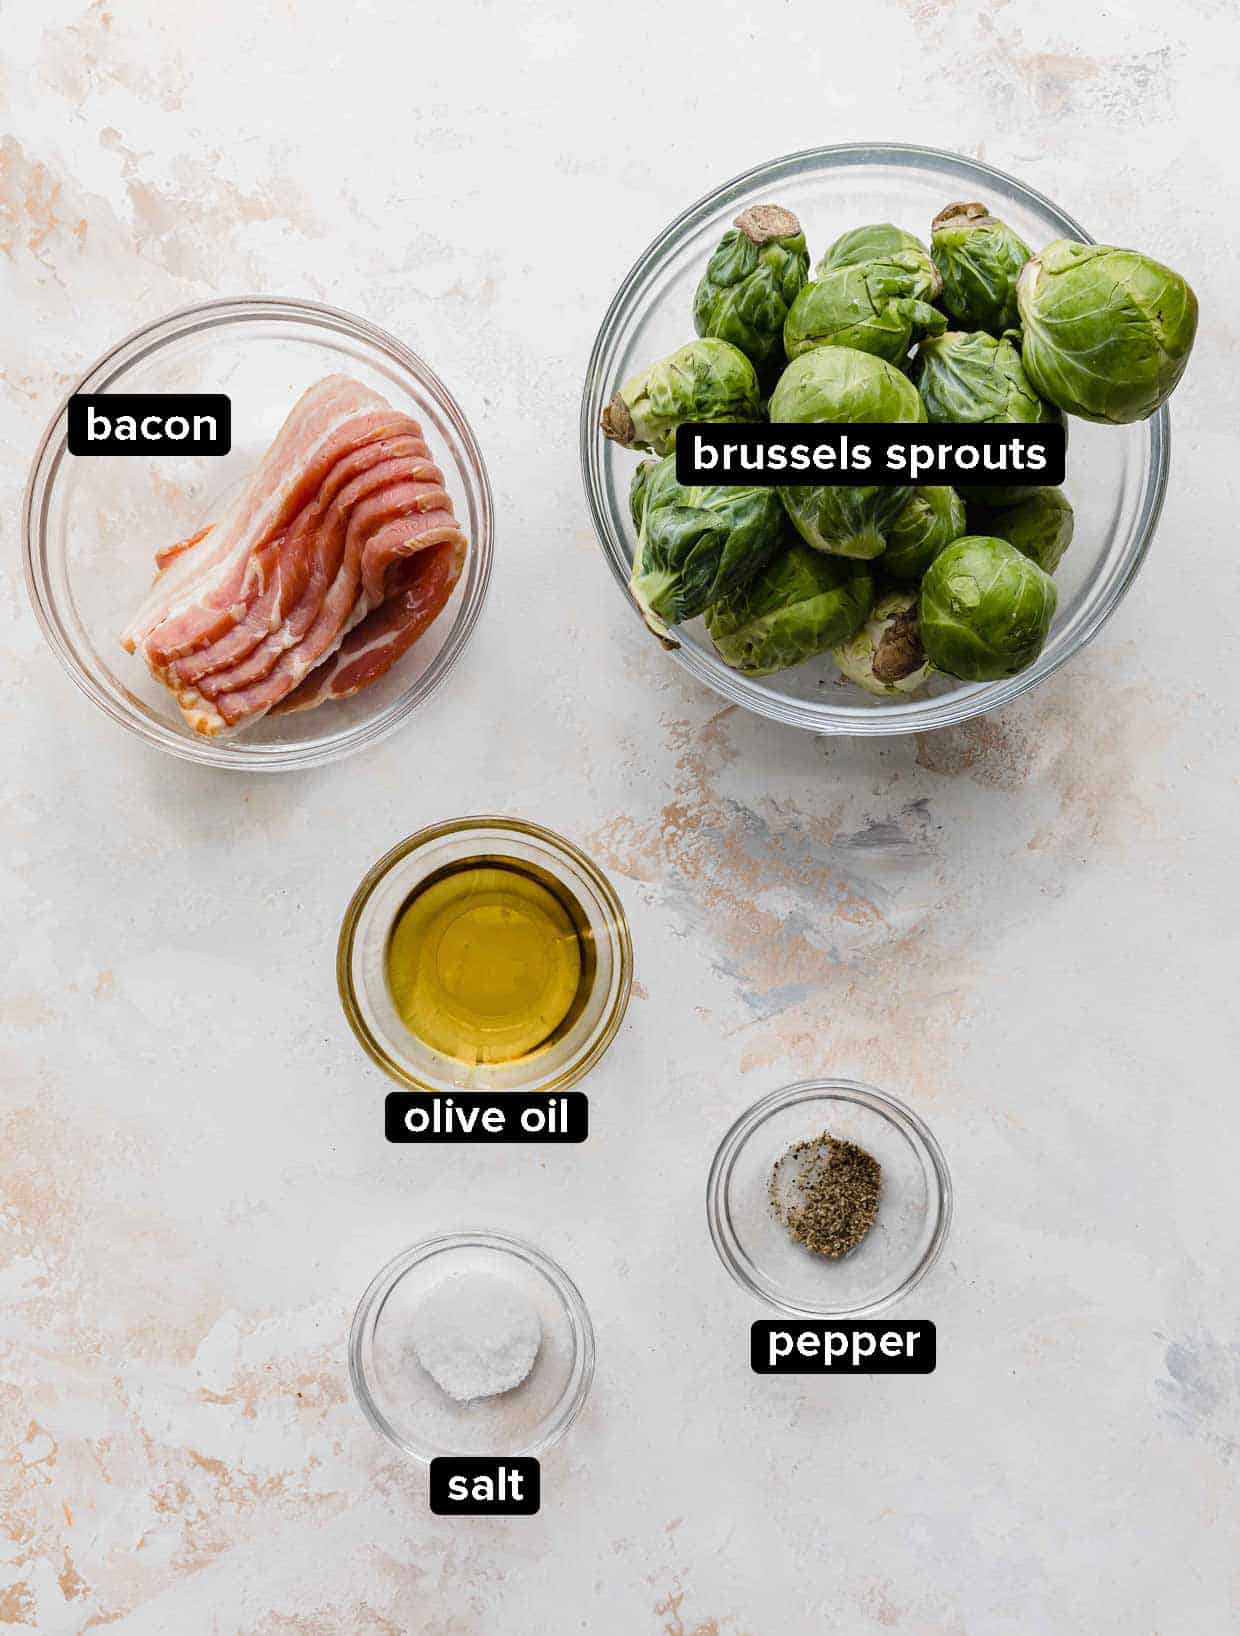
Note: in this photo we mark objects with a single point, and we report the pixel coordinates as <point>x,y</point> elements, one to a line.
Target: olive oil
<point>489,961</point>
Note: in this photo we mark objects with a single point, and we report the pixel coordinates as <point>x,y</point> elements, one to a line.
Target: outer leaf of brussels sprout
<point>751,280</point>
<point>1039,525</point>
<point>637,490</point>
<point>885,656</point>
<point>930,520</point>
<point>875,307</point>
<point>985,609</point>
<point>1107,332</point>
<point>706,380</point>
<point>881,242</point>
<point>800,605</point>
<point>980,259</point>
<point>840,385</point>
<point>973,378</point>
<point>695,544</point>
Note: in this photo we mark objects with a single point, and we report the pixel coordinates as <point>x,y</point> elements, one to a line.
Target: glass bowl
<point>405,1405</point>
<point>1116,474</point>
<point>914,1211</point>
<point>91,526</point>
<point>361,956</point>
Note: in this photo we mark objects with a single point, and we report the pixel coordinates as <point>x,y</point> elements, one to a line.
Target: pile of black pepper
<point>833,1199</point>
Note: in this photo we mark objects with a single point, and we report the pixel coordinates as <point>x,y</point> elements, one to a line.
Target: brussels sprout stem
<point>971,212</point>
<point>900,652</point>
<point>617,422</point>
<point>762,223</point>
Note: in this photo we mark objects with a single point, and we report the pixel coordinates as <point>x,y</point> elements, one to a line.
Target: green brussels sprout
<point>985,609</point>
<point>799,605</point>
<point>637,490</point>
<point>1107,332</point>
<point>886,656</point>
<point>695,544</point>
<point>1039,524</point>
<point>882,242</point>
<point>930,520</point>
<point>754,276</point>
<point>976,378</point>
<point>980,259</point>
<point>707,380</point>
<point>840,384</point>
<point>875,307</point>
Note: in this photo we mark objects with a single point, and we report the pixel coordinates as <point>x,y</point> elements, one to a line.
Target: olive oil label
<point>486,1116</point>
<point>851,1347</point>
<point>181,423</point>
<point>862,454</point>
<point>485,1486</point>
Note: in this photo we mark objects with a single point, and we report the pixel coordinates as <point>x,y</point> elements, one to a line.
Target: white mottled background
<point>1027,926</point>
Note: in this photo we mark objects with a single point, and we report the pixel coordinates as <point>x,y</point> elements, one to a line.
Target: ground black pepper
<point>831,1197</point>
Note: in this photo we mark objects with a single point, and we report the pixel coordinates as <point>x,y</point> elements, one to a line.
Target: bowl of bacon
<point>292,600</point>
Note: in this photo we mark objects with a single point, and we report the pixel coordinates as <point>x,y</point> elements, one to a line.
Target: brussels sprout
<point>706,380</point>
<point>980,259</point>
<point>876,307</point>
<point>886,656</point>
<point>1107,332</point>
<point>1039,524</point>
<point>883,242</point>
<point>800,605</point>
<point>930,520</point>
<point>695,544</point>
<point>985,609</point>
<point>839,384</point>
<point>637,490</point>
<point>975,378</point>
<point>751,281</point>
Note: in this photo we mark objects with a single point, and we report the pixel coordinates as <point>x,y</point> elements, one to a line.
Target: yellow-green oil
<point>489,961</point>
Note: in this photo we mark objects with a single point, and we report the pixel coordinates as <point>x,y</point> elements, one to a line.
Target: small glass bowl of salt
<point>471,1343</point>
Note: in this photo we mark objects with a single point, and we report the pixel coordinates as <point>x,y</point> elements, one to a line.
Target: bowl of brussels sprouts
<point>871,284</point>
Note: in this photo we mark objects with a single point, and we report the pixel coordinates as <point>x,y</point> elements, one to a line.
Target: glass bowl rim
<point>911,1125</point>
<point>915,715</point>
<point>581,1327</point>
<point>555,843</point>
<point>51,451</point>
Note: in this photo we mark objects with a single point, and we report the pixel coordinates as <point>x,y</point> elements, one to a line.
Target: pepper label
<point>854,1347</point>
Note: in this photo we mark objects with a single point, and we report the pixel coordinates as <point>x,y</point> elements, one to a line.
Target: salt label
<point>485,1486</point>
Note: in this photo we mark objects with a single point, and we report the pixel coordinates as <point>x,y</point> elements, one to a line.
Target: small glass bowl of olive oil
<point>485,954</point>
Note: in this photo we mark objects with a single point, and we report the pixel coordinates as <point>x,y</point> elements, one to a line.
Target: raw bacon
<point>424,584</point>
<point>339,553</point>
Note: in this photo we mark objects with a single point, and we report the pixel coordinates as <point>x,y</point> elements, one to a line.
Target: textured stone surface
<point>1026,926</point>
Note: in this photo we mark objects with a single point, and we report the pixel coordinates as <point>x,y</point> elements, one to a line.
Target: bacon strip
<point>331,529</point>
<point>423,585</point>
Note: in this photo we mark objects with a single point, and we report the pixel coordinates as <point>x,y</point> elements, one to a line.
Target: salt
<point>476,1336</point>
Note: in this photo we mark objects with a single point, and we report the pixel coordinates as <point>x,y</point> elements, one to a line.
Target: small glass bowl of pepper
<point>770,1211</point>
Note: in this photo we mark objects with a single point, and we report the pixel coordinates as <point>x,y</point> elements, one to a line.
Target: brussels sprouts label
<point>870,455</point>
<point>853,1347</point>
<point>485,1486</point>
<point>484,1116</point>
<point>150,423</point>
